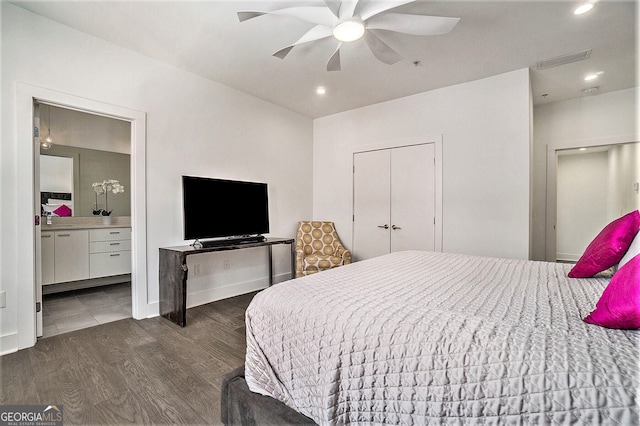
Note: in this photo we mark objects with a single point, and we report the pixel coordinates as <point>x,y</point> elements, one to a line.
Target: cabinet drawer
<point>106,264</point>
<point>109,246</point>
<point>109,234</point>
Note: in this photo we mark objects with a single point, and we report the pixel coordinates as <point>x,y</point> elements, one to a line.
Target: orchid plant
<point>104,187</point>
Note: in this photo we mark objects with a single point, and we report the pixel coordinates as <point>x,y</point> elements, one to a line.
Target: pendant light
<point>48,141</point>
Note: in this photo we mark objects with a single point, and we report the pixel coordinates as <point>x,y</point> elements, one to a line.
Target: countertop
<point>68,227</point>
<point>73,223</point>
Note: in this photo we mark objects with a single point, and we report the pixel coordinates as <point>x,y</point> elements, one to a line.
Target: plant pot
<point>106,220</point>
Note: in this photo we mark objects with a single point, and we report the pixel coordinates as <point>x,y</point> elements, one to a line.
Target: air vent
<point>564,59</point>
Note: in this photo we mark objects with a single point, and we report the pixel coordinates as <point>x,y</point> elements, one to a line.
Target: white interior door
<point>413,198</point>
<point>371,204</point>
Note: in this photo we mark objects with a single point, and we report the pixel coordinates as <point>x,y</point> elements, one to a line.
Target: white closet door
<point>371,204</point>
<point>413,198</point>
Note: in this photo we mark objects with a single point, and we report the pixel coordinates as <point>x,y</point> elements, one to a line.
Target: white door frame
<point>26,94</point>
<point>551,182</point>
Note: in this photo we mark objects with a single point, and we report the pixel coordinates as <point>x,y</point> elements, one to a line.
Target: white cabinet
<point>47,249</point>
<point>71,255</point>
<point>394,200</point>
<point>110,252</point>
<point>74,255</point>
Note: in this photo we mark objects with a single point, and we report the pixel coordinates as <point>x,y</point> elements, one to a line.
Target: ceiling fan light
<point>350,30</point>
<point>583,8</point>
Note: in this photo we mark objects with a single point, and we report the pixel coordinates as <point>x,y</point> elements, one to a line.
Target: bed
<point>434,338</point>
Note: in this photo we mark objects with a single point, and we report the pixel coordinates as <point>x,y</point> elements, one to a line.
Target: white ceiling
<point>206,38</point>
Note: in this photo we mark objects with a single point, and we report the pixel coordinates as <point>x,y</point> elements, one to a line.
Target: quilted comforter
<point>433,338</point>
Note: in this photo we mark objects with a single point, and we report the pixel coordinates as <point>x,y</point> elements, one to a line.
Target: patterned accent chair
<point>318,248</point>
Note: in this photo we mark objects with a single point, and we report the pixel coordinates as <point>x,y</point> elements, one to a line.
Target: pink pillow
<point>619,305</point>
<point>62,211</point>
<point>608,247</point>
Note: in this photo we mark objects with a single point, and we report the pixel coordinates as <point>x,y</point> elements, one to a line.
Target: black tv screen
<point>216,208</point>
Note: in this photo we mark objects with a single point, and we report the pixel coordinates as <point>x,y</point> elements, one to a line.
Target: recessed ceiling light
<point>321,90</point>
<point>584,8</point>
<point>592,76</point>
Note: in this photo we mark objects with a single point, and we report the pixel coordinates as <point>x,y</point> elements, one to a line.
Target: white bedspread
<point>432,338</point>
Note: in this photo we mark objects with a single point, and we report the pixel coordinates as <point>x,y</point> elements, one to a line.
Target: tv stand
<point>174,270</point>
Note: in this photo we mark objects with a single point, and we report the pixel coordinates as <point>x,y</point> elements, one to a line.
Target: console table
<point>174,272</point>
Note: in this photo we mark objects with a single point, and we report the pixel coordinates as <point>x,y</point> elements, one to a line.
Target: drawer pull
<point>114,232</point>
<point>115,254</point>
<point>64,235</point>
<point>114,244</point>
<point>46,236</point>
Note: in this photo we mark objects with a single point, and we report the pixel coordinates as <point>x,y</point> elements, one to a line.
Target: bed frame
<point>240,406</point>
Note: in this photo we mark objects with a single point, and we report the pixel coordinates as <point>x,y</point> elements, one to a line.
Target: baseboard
<point>567,257</point>
<point>8,344</point>
<point>213,295</point>
<point>153,310</point>
<point>236,289</point>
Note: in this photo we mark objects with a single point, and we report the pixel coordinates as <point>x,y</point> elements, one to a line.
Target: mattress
<point>434,338</point>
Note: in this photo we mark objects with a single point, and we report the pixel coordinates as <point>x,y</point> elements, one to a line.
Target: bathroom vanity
<point>84,254</point>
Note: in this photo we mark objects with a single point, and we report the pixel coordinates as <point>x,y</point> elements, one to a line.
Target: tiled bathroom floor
<point>77,309</point>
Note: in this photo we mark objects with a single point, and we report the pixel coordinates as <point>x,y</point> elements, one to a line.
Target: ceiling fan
<point>350,20</point>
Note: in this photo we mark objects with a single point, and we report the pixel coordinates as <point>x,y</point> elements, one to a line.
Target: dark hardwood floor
<point>133,371</point>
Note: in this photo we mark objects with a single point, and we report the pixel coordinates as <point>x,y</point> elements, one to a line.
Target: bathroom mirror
<point>86,149</point>
<point>89,166</point>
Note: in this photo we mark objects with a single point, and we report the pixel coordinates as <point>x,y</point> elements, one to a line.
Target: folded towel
<point>63,210</point>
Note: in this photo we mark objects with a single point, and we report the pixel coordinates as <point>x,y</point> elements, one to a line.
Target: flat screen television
<point>220,208</point>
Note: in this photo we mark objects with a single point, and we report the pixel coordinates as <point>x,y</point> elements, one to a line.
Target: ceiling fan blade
<point>412,24</point>
<point>347,9</point>
<point>282,53</point>
<point>334,6</point>
<point>375,7</point>
<point>247,14</point>
<point>319,15</point>
<point>316,33</point>
<point>380,49</point>
<point>334,60</point>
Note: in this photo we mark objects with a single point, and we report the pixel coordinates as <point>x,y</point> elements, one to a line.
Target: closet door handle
<point>395,227</point>
<point>385,226</point>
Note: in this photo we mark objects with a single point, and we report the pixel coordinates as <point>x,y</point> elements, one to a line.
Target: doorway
<point>29,246</point>
<point>593,186</point>
<point>81,290</point>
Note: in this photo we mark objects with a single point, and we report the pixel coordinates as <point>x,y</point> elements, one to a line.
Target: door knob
<point>385,226</point>
<point>395,227</point>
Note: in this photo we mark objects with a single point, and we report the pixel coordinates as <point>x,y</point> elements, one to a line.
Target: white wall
<point>486,141</point>
<point>605,119</point>
<point>75,128</point>
<point>194,126</point>
<point>583,184</point>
